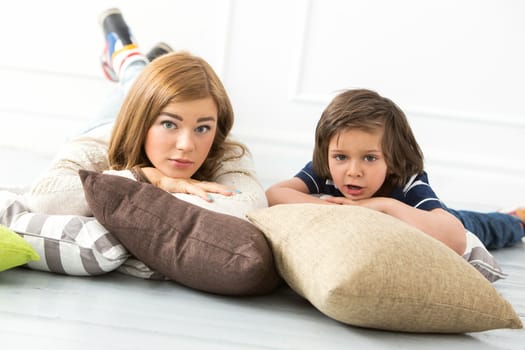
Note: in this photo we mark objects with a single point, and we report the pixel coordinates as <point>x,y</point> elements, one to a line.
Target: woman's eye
<point>370,158</point>
<point>202,129</point>
<point>339,157</point>
<point>167,124</point>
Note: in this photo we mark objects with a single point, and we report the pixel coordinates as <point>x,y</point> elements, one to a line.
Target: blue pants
<point>495,230</point>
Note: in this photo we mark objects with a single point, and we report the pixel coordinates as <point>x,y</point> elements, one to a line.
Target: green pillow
<point>14,250</point>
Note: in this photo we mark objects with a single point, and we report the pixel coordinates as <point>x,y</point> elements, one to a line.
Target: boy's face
<point>356,163</point>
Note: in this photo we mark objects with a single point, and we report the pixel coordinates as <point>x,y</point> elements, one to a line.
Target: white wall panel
<point>438,56</point>
<point>50,79</point>
<point>453,67</point>
<point>456,68</point>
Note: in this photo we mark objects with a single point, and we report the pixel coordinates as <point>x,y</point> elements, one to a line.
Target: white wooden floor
<point>39,109</point>
<point>40,310</point>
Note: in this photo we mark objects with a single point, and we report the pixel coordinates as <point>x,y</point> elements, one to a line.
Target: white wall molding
<point>305,12</point>
<point>301,96</point>
<point>223,66</point>
<point>493,167</point>
<point>504,120</point>
<point>282,62</point>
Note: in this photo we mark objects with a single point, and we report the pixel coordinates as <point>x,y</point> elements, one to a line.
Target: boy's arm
<point>293,190</point>
<point>437,223</point>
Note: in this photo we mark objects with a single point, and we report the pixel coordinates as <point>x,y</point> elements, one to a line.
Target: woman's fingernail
<point>210,198</point>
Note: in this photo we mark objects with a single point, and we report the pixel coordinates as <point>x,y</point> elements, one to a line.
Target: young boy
<point>366,154</point>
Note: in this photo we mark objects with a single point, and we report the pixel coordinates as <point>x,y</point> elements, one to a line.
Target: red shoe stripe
<point>128,56</point>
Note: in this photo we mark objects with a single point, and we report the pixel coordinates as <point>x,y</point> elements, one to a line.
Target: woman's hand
<point>183,185</point>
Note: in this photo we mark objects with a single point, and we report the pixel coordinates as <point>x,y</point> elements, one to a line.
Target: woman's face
<point>178,142</point>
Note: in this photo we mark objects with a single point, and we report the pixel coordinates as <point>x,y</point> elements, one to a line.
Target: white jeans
<point>109,110</point>
<point>59,190</point>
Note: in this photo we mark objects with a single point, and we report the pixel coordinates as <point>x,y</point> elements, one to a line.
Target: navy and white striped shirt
<point>416,192</point>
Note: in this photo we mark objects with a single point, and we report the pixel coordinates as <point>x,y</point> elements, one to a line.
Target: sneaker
<point>161,48</point>
<point>520,213</point>
<point>158,50</point>
<point>121,47</point>
<point>517,212</point>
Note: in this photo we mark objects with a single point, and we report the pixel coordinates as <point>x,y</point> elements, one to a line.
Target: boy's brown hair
<point>368,111</point>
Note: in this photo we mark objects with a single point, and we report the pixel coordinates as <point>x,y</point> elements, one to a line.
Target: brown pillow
<point>191,245</point>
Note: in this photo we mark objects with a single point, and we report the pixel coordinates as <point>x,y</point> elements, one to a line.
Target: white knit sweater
<point>59,190</point>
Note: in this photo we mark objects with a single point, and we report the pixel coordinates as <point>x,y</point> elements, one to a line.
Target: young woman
<point>172,130</point>
<point>366,154</point>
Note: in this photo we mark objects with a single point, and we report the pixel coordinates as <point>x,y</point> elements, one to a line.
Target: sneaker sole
<point>106,13</point>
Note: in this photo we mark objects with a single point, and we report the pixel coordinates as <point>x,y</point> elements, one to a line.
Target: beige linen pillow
<point>369,269</point>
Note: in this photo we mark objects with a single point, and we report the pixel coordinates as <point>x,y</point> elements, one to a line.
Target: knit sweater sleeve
<point>59,189</point>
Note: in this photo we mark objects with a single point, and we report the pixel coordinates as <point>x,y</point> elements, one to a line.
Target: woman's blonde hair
<point>174,77</point>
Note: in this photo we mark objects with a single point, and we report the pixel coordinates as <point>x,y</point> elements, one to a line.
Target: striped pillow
<point>479,257</point>
<point>67,244</point>
<point>136,268</point>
